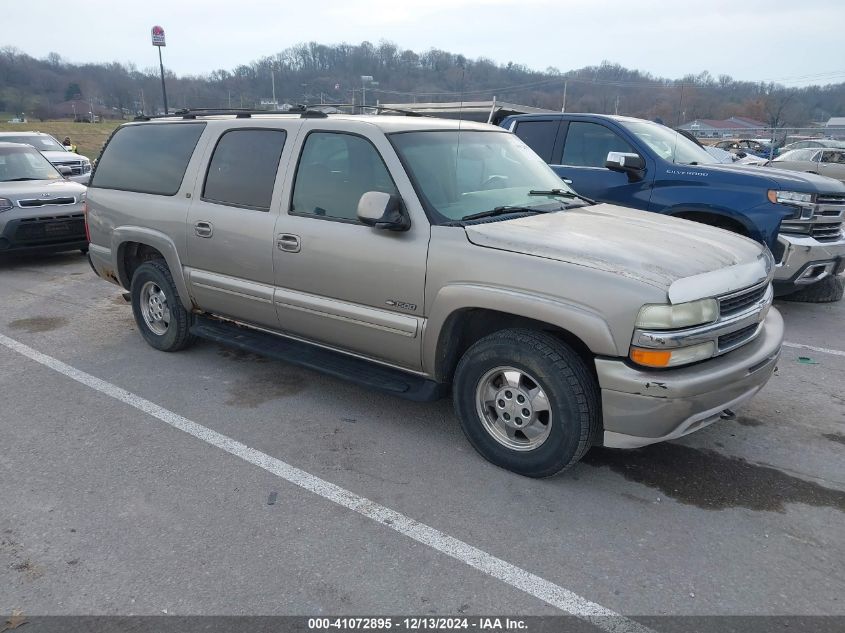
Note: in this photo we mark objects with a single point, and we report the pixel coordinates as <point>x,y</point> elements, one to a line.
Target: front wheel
<point>526,402</point>
<point>163,321</point>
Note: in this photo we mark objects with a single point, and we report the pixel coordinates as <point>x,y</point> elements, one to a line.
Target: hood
<point>649,247</point>
<point>774,178</point>
<point>59,156</point>
<point>35,188</point>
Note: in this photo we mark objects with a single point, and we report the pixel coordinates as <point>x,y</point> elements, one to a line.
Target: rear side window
<point>539,136</point>
<point>148,158</point>
<point>243,169</point>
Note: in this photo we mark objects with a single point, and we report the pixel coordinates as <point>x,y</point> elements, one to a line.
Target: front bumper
<point>644,407</point>
<point>51,232</point>
<point>806,260</point>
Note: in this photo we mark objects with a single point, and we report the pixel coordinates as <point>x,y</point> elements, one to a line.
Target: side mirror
<point>627,163</point>
<point>383,211</point>
<point>65,171</point>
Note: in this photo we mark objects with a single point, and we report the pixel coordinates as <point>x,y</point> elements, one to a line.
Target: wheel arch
<point>719,218</point>
<point>135,245</point>
<point>465,326</point>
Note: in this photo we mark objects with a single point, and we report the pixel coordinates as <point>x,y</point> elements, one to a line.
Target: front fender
<point>121,236</point>
<point>586,324</point>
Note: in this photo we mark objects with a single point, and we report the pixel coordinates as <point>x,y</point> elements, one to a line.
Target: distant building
<point>835,127</point>
<point>724,128</point>
<point>81,110</point>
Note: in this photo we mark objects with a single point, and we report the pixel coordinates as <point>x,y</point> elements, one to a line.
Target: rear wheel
<point>163,321</point>
<point>526,402</point>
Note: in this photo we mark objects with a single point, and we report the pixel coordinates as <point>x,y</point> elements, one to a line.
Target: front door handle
<point>289,243</point>
<point>203,229</point>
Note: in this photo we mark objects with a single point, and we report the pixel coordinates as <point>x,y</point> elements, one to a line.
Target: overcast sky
<point>748,39</point>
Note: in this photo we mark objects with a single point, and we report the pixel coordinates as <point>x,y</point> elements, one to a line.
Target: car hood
<point>774,178</point>
<point>687,259</point>
<point>58,156</point>
<point>35,188</point>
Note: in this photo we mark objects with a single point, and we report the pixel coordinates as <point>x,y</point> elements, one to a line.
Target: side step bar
<point>362,372</point>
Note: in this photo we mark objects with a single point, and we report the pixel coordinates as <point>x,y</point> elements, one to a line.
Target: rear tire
<point>163,321</point>
<point>527,402</point>
<point>827,290</point>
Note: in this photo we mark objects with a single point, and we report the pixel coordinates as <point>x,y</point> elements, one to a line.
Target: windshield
<point>668,144</point>
<point>461,173</point>
<point>796,154</point>
<point>41,143</point>
<point>24,163</point>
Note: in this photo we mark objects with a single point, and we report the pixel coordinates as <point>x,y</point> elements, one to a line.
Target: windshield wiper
<point>21,179</point>
<point>504,210</point>
<point>561,193</point>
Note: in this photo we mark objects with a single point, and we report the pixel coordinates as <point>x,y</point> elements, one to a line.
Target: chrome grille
<point>730,341</point>
<point>830,198</point>
<point>732,304</point>
<point>46,202</point>
<point>77,167</point>
<point>827,232</point>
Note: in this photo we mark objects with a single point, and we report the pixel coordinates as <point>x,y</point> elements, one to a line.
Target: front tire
<point>527,402</point>
<point>163,321</point>
<point>828,290</point>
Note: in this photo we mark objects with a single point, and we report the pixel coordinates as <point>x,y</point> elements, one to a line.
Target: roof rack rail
<point>402,111</point>
<point>240,113</point>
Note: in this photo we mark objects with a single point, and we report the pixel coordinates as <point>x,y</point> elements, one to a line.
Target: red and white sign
<point>158,36</point>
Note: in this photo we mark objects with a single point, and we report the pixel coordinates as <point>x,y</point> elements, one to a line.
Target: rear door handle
<point>203,229</point>
<point>288,242</point>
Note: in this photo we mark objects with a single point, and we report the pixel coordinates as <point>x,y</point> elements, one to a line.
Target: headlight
<point>674,357</point>
<point>790,197</point>
<point>672,317</point>
<point>5,204</point>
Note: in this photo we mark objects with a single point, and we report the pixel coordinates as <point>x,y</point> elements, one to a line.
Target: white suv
<point>53,151</point>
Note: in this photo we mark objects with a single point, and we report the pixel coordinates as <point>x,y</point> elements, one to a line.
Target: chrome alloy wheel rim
<point>513,408</point>
<point>154,308</point>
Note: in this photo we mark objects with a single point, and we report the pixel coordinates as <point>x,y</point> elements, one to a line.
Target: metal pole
<point>563,108</point>
<point>163,88</point>
<point>273,81</point>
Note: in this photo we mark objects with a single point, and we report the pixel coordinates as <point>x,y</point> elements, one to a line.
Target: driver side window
<point>334,171</point>
<point>587,145</point>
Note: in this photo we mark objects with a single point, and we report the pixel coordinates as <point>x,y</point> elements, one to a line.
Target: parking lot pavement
<point>108,509</point>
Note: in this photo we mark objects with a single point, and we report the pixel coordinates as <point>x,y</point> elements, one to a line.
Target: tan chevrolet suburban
<point>419,255</point>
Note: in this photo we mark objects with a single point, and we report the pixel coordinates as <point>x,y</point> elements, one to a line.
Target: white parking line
<point>512,575</point>
<point>821,350</point>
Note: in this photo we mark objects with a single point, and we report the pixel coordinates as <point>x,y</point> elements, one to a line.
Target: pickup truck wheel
<point>163,321</point>
<point>827,290</point>
<point>526,402</point>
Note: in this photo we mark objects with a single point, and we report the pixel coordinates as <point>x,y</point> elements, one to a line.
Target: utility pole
<point>365,79</point>
<point>563,107</point>
<point>159,42</point>
<point>616,110</point>
<point>273,82</point>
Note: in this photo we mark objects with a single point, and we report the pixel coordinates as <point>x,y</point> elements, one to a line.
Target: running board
<point>362,372</point>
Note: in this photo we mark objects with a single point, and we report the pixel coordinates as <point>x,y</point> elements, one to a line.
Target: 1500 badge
<point>402,305</point>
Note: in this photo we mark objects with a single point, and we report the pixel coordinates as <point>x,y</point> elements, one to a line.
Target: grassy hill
<point>89,137</point>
